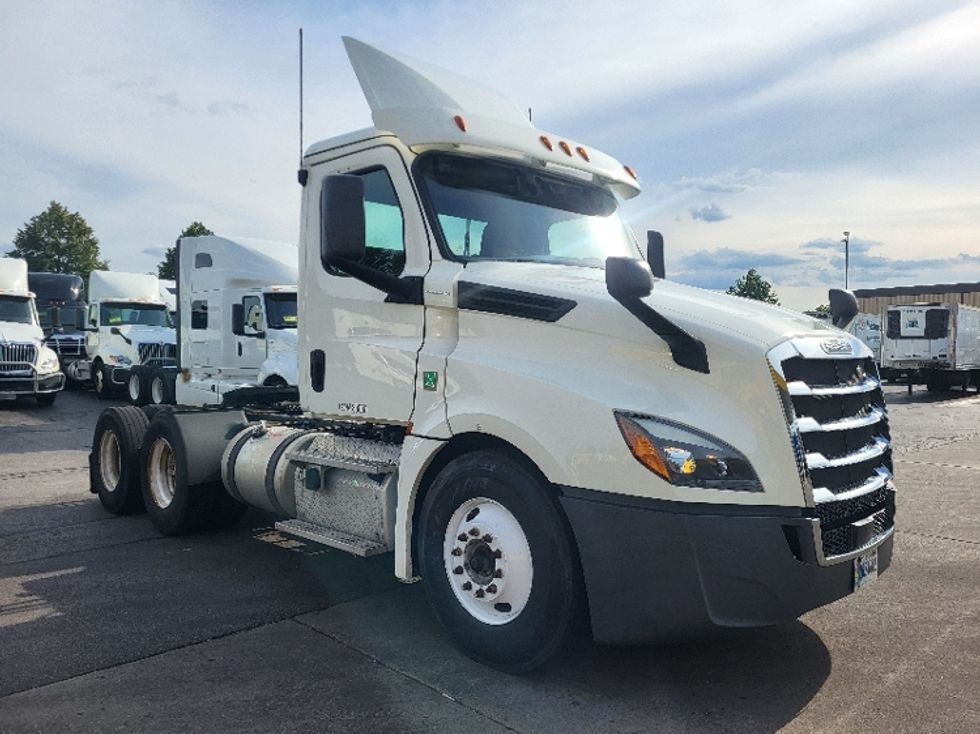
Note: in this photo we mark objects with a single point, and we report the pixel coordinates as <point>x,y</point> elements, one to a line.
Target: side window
<point>199,314</point>
<point>93,315</point>
<point>252,307</point>
<point>202,260</point>
<point>384,230</point>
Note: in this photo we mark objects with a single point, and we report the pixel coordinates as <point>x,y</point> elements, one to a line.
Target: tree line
<point>61,241</point>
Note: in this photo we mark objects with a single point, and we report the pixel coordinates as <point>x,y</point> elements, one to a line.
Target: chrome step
<point>331,538</point>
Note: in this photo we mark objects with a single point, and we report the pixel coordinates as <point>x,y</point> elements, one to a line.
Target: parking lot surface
<point>107,626</point>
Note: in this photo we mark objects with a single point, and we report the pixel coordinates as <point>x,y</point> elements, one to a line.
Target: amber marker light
<point>460,122</point>
<point>565,147</point>
<point>631,171</point>
<point>642,447</point>
<point>546,142</point>
<point>583,153</point>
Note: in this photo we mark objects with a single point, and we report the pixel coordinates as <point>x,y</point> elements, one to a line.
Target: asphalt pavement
<point>107,626</point>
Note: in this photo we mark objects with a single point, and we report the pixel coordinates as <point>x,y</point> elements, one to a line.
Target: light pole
<point>847,254</point>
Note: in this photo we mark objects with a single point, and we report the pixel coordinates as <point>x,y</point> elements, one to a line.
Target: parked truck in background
<point>28,367</point>
<point>237,325</point>
<point>60,300</point>
<point>130,340</point>
<point>494,386</point>
<point>936,344</point>
<point>168,294</point>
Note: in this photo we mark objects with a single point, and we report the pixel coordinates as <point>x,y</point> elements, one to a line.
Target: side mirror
<point>843,307</point>
<point>237,319</point>
<point>628,279</point>
<point>80,320</point>
<point>655,253</point>
<point>342,235</point>
<point>55,317</point>
<point>115,330</point>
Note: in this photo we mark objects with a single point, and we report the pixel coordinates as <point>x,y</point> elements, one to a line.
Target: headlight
<point>48,363</point>
<point>687,457</point>
<point>119,359</point>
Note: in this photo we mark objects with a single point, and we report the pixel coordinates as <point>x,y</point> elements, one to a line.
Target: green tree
<point>167,269</point>
<point>754,286</point>
<point>822,308</point>
<point>58,241</point>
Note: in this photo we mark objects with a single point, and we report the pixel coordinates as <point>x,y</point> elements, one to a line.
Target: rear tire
<point>174,506</point>
<point>137,388</point>
<point>519,597</point>
<point>115,457</point>
<point>161,389</point>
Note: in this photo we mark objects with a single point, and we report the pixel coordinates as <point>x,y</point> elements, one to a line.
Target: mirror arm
<point>406,289</point>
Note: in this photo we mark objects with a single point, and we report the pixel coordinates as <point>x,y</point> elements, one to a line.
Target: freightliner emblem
<point>836,346</point>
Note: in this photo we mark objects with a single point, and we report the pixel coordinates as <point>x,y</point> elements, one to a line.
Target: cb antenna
<point>302,173</point>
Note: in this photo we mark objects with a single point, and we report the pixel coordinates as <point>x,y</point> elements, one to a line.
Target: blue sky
<point>761,130</point>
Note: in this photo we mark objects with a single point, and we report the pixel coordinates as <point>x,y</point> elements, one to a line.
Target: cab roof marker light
<point>583,153</point>
<point>566,148</point>
<point>632,172</point>
<point>546,142</point>
<point>460,122</point>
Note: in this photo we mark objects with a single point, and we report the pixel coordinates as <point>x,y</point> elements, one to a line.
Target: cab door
<point>358,350</point>
<point>251,344</point>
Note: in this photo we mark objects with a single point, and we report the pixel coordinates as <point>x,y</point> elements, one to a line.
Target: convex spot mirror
<point>628,279</point>
<point>843,307</point>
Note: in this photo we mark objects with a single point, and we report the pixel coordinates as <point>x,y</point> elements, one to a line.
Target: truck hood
<point>20,333</point>
<point>140,334</point>
<point>706,315</point>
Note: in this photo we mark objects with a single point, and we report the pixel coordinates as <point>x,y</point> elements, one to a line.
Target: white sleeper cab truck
<point>130,342</point>
<point>27,365</point>
<point>168,294</point>
<point>937,344</point>
<point>497,389</point>
<point>237,325</point>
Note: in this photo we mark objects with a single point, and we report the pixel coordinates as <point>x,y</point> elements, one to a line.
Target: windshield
<point>144,314</point>
<point>500,210</point>
<point>69,316</point>
<point>17,310</point>
<point>280,310</point>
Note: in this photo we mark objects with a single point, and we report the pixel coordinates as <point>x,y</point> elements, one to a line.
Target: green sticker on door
<point>430,380</point>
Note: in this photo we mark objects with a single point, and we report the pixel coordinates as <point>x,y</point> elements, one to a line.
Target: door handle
<point>239,349</point>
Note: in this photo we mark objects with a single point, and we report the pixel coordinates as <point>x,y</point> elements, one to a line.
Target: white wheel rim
<point>110,460</point>
<point>134,388</point>
<point>99,382</point>
<point>156,391</point>
<point>162,473</point>
<point>488,561</point>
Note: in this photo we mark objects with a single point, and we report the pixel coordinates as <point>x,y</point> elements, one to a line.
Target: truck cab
<point>28,366</point>
<point>129,334</point>
<point>238,316</point>
<point>60,299</point>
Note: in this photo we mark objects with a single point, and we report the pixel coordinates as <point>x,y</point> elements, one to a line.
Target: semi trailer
<point>936,344</point>
<point>130,341</point>
<point>497,387</point>
<point>60,300</point>
<point>238,321</point>
<point>28,367</point>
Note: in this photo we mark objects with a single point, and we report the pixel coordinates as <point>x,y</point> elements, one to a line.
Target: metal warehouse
<point>876,300</point>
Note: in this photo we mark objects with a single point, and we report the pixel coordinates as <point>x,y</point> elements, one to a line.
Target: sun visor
<point>426,106</point>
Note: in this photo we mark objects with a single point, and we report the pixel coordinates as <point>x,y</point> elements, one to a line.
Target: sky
<point>761,130</point>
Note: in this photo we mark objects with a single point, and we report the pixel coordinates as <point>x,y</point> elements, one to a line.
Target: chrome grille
<point>17,358</point>
<point>840,418</point>
<point>67,346</point>
<point>159,353</point>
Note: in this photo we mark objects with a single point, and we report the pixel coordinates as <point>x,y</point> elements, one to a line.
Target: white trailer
<point>28,367</point>
<point>936,344</point>
<point>237,325</point>
<point>130,340</point>
<point>495,388</point>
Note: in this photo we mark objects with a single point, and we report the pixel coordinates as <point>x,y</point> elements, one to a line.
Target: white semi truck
<point>937,344</point>
<point>130,342</point>
<point>494,387</point>
<point>238,321</point>
<point>28,367</point>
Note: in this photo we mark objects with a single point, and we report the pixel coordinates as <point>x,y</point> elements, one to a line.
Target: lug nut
<point>480,594</point>
<point>498,573</point>
<point>488,538</point>
<point>497,553</point>
<point>474,532</point>
<point>458,570</point>
<point>457,551</point>
<point>492,589</point>
<point>462,538</point>
<point>467,586</point>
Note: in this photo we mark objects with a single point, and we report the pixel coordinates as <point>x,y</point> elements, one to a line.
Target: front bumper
<point>659,571</point>
<point>31,383</point>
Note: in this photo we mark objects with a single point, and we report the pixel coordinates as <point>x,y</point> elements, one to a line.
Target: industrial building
<point>876,300</point>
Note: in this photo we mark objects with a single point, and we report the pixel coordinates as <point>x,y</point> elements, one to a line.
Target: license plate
<point>865,569</point>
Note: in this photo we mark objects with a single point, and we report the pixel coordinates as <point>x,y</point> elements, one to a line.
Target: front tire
<point>114,461</point>
<point>102,378</point>
<point>161,389</point>
<point>498,561</point>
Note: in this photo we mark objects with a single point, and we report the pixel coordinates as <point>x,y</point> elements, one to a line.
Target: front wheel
<point>498,561</point>
<point>161,389</point>
<point>136,388</point>
<point>102,378</point>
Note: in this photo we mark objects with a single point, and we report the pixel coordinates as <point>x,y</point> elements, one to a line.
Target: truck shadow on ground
<point>922,396</point>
